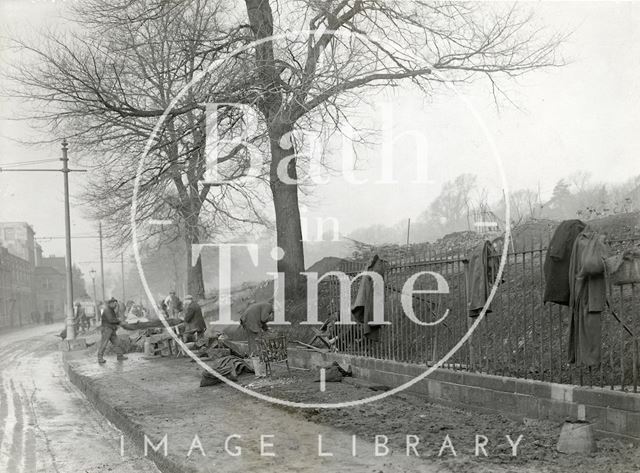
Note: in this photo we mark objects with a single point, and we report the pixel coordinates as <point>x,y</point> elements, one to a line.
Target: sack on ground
<point>334,373</point>
<point>331,375</point>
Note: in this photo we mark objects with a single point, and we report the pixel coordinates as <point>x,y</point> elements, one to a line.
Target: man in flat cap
<point>110,324</point>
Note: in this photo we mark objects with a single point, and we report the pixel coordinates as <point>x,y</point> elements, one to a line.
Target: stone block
<point>557,410</point>
<point>607,398</point>
<point>631,424</point>
<point>533,388</point>
<point>448,376</point>
<point>495,383</point>
<point>454,392</point>
<point>434,389</point>
<point>597,416</point>
<point>73,345</point>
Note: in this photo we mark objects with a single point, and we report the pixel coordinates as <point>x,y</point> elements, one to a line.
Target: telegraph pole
<point>124,300</point>
<point>101,263</point>
<point>71,334</point>
<point>96,311</point>
<point>68,264</point>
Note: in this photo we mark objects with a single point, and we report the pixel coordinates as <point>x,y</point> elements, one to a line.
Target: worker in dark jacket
<point>194,322</point>
<point>110,323</point>
<point>254,322</point>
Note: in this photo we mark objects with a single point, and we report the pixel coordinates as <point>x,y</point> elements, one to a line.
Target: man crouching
<point>110,324</point>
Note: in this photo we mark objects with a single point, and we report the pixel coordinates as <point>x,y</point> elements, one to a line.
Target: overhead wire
<point>26,163</point>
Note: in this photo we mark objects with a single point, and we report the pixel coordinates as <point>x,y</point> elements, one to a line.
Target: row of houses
<point>29,282</point>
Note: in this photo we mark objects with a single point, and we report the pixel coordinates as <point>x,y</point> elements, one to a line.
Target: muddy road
<point>46,424</point>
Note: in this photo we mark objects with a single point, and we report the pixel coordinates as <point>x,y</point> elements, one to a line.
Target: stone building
<point>17,291</point>
<point>50,286</point>
<point>19,239</point>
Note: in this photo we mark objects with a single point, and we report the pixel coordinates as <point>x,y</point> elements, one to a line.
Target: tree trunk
<point>285,196</point>
<point>288,228</point>
<point>195,279</point>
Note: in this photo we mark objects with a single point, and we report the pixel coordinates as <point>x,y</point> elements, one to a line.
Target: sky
<point>581,117</point>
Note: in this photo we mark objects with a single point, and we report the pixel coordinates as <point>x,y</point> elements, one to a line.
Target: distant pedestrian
<point>174,304</point>
<point>80,318</point>
<point>163,308</point>
<point>195,325</point>
<point>110,324</point>
<point>35,316</point>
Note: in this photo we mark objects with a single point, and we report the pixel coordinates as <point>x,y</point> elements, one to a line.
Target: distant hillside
<point>534,233</point>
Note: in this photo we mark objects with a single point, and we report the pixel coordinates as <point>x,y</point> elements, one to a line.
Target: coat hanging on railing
<point>588,297</point>
<point>482,272</point>
<point>557,260</point>
<point>362,308</point>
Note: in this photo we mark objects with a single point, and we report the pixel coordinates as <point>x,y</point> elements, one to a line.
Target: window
<point>9,234</point>
<point>46,283</point>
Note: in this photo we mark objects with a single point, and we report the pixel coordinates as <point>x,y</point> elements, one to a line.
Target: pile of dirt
<point>329,263</point>
<point>453,244</point>
<point>534,233</point>
<point>461,242</point>
<point>618,227</point>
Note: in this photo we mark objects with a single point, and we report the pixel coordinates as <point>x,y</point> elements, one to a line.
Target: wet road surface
<point>46,424</point>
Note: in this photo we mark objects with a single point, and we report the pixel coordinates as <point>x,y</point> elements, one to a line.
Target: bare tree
<point>355,45</point>
<point>453,204</point>
<point>525,204</point>
<point>105,88</point>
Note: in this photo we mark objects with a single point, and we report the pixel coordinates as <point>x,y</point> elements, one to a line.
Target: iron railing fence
<point>520,337</point>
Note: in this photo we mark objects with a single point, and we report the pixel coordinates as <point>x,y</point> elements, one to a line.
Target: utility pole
<point>122,273</point>
<point>68,264</point>
<point>408,230</point>
<point>101,262</point>
<point>67,233</point>
<point>96,315</point>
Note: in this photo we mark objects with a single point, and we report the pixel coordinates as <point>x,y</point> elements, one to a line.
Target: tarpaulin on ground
<point>229,366</point>
<point>149,324</point>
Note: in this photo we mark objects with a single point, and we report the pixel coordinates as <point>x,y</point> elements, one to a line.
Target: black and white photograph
<point>319,236</point>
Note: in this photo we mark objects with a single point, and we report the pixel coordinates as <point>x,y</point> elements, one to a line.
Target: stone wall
<point>613,413</point>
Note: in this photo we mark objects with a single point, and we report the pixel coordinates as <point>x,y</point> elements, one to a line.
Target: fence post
<point>635,364</point>
<point>465,314</point>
